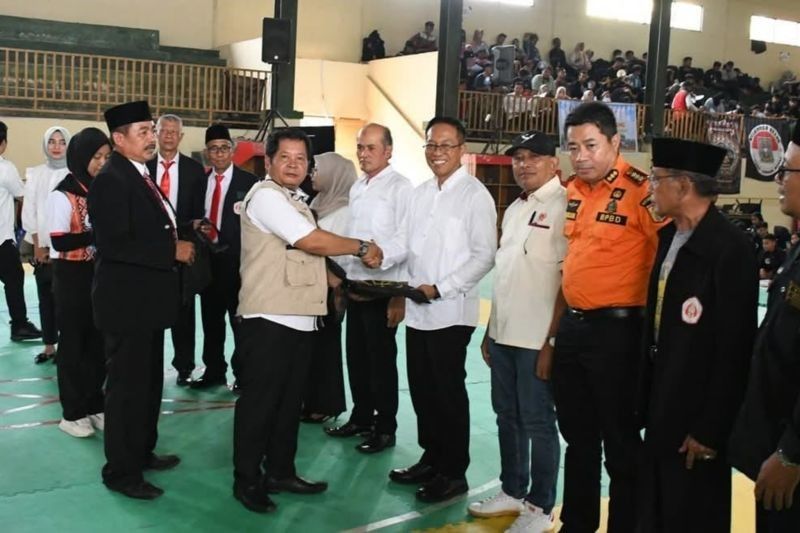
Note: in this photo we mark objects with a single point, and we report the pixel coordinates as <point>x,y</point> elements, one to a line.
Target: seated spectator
<point>516,103</point>
<point>578,59</point>
<point>519,53</point>
<point>529,41</point>
<point>635,79</point>
<point>616,65</point>
<point>484,81</point>
<point>524,76</point>
<point>774,108</point>
<point>544,79</point>
<point>477,44</point>
<point>685,68</point>
<point>561,93</point>
<point>679,102</point>
<point>561,78</point>
<point>424,41</point>
<point>715,104</point>
<point>556,56</point>
<point>372,47</point>
<point>793,109</point>
<point>588,96</point>
<point>713,76</point>
<point>615,54</point>
<point>500,40</point>
<point>577,88</point>
<point>770,258</point>
<point>631,61</point>
<point>761,231</point>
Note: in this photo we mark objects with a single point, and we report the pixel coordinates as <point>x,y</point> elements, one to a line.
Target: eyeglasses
<point>654,180</point>
<point>432,148</point>
<point>780,175</point>
<point>224,149</point>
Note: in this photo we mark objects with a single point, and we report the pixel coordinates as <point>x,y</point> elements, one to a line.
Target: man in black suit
<point>135,295</point>
<point>182,180</point>
<point>226,187</point>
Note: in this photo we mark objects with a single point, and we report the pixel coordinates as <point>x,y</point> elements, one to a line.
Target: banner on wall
<point>725,133</point>
<point>626,123</point>
<point>766,142</point>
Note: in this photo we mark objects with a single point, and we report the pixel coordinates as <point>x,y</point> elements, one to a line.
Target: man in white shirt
<point>283,293</point>
<point>11,273</point>
<point>451,239</point>
<point>516,348</point>
<point>378,203</point>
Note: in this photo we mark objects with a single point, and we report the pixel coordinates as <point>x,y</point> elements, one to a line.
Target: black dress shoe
<point>142,490</point>
<point>349,430</point>
<point>206,382</point>
<point>253,497</point>
<point>441,488</point>
<point>25,332</point>
<point>294,484</point>
<point>162,462</point>
<point>44,357</point>
<point>414,474</point>
<point>236,388</point>
<point>376,443</point>
<point>184,379</point>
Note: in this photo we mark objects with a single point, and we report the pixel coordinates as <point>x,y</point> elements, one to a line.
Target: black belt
<point>606,312</point>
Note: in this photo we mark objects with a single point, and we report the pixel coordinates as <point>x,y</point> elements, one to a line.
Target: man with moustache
<point>765,444</point>
<point>378,204</point>
<point>283,293</point>
<point>450,242</point>
<point>182,180</point>
<point>611,230</point>
<point>135,297</point>
<point>699,329</point>
<point>227,186</point>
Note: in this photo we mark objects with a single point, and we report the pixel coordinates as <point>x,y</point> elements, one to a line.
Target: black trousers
<point>785,521</point>
<point>372,365</point>
<point>594,385</point>
<point>183,338</point>
<point>13,278</point>
<point>221,297</point>
<point>436,377</point>
<point>81,364</point>
<point>677,499</point>
<point>324,390</point>
<point>274,364</point>
<point>43,273</point>
<point>133,402</point>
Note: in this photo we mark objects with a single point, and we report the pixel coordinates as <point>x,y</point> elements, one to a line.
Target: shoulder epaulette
<point>648,204</point>
<point>612,176</point>
<point>637,176</point>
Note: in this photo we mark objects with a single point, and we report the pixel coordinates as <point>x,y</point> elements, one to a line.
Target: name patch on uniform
<point>612,218</point>
<point>572,209</point>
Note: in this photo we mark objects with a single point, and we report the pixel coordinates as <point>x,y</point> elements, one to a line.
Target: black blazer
<point>191,188</point>
<point>231,231</point>
<point>695,382</point>
<point>136,284</point>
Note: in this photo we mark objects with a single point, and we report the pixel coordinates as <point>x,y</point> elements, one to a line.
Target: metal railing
<point>42,82</point>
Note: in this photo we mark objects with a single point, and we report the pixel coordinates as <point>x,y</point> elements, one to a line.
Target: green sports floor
<point>50,482</point>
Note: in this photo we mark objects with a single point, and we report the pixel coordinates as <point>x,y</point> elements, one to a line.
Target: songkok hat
<point>690,156</point>
<point>535,141</point>
<point>127,113</point>
<point>216,132</point>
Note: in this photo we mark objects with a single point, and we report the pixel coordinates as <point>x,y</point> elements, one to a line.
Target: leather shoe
<point>294,484</point>
<point>25,331</point>
<point>162,462</point>
<point>205,382</point>
<point>253,497</point>
<point>441,488</point>
<point>236,388</point>
<point>349,430</point>
<point>44,357</point>
<point>143,490</point>
<point>375,443</point>
<point>414,474</point>
<point>184,379</point>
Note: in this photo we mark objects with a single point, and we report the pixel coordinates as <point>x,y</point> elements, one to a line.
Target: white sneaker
<point>77,428</point>
<point>98,421</point>
<point>532,520</point>
<point>501,504</point>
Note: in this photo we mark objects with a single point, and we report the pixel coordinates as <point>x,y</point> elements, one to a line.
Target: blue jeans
<point>526,423</point>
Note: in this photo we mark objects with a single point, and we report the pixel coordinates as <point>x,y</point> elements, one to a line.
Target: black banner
<point>765,144</point>
<point>725,133</point>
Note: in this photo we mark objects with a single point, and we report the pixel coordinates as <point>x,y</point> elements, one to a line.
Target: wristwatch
<point>363,248</point>
<point>551,341</point>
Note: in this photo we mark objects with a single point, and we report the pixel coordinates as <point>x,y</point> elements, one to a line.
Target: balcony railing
<point>83,86</point>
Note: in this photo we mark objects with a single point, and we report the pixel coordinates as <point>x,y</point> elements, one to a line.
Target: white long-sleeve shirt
<point>10,188</point>
<point>40,181</point>
<point>451,236</point>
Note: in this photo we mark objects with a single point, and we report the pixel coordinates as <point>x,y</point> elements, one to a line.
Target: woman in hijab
<point>324,399</point>
<point>81,364</point>
<point>39,182</point>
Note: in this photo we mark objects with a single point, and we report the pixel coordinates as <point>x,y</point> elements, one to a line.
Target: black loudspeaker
<point>276,41</point>
<point>758,47</point>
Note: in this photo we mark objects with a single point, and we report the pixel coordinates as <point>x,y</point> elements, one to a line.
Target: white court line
<point>399,519</point>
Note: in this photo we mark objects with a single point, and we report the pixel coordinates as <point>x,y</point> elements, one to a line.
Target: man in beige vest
<point>284,291</point>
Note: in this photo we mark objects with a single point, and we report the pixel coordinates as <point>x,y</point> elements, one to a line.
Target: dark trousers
<point>81,364</point>
<point>324,391</point>
<point>785,521</point>
<point>274,362</point>
<point>183,338</point>
<point>436,377</point>
<point>133,401</point>
<point>43,273</point>
<point>221,297</point>
<point>594,383</point>
<point>690,501</point>
<point>13,278</point>
<point>372,365</point>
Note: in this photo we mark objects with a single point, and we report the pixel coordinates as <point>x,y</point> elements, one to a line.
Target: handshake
<point>374,256</point>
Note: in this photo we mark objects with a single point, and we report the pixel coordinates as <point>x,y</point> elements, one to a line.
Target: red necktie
<point>214,211</point>
<point>165,177</point>
<point>157,195</point>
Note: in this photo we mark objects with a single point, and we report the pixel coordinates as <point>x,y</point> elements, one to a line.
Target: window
<point>775,31</point>
<point>684,16</point>
<point>521,3</point>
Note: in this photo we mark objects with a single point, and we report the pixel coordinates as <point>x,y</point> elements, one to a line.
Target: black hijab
<point>81,150</point>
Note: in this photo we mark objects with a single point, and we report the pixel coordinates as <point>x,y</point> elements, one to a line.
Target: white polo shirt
<point>528,267</point>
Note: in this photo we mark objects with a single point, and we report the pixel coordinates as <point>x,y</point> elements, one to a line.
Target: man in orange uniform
<point>611,230</point>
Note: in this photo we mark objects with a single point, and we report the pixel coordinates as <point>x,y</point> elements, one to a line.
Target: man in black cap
<point>135,297</point>
<point>699,328</point>
<point>227,186</point>
<point>765,444</point>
